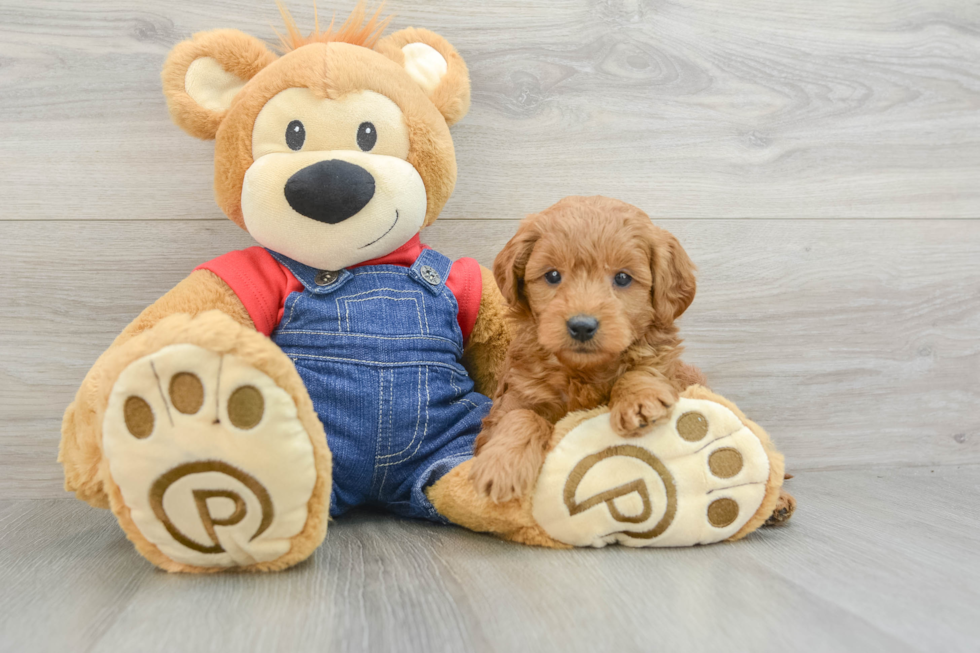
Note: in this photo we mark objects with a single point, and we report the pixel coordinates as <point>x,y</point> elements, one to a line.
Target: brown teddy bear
<point>205,426</point>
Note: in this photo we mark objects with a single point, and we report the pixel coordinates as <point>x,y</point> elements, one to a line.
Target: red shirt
<point>262,283</point>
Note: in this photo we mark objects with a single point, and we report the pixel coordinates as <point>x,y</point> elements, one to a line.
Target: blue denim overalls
<point>379,349</point>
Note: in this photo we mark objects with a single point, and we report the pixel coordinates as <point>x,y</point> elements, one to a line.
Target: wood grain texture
<point>847,574</point>
<point>692,108</point>
<point>856,343</point>
<point>852,344</point>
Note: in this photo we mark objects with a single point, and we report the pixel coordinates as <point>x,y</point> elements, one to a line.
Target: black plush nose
<point>582,327</point>
<point>329,191</point>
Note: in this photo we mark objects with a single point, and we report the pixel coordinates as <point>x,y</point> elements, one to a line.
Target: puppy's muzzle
<point>329,191</point>
<point>582,327</point>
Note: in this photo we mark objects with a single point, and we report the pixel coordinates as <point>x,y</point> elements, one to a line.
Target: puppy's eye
<point>295,135</point>
<point>553,277</point>
<point>622,279</point>
<point>367,136</point>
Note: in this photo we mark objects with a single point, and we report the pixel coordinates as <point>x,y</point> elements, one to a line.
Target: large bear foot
<point>704,474</point>
<point>209,462</point>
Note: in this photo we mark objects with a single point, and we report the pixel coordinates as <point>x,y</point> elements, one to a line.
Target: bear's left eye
<point>367,136</point>
<point>295,135</point>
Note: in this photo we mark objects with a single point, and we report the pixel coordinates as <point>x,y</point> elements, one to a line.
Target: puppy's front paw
<point>504,474</point>
<point>630,414</point>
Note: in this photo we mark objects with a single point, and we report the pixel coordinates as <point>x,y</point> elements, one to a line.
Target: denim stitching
<point>442,341</point>
<point>377,445</point>
<point>359,274</point>
<point>459,391</point>
<point>391,428</point>
<point>291,309</point>
<point>303,273</point>
<point>348,302</point>
<point>373,290</point>
<point>457,331</point>
<point>434,259</point>
<point>418,418</point>
<point>425,428</point>
<point>428,402</point>
<point>390,434</point>
<point>415,268</point>
<point>416,295</point>
<point>370,335</point>
<point>337,300</point>
<point>373,363</point>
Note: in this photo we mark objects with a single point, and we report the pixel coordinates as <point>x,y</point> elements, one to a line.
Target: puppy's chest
<point>580,395</point>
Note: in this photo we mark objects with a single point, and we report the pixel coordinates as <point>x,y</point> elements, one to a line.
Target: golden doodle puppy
<point>593,289</point>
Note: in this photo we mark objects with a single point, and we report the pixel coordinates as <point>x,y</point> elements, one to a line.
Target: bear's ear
<point>204,74</point>
<point>434,65</point>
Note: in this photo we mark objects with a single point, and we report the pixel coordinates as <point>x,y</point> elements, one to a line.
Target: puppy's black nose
<point>329,191</point>
<point>582,327</point>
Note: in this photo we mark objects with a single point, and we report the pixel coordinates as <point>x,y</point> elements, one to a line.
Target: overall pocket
<point>404,414</point>
<point>384,312</point>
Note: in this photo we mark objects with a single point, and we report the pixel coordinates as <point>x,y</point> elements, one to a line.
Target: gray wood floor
<point>820,163</point>
<point>882,561</point>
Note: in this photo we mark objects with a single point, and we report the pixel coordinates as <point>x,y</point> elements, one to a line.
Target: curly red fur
<point>631,363</point>
<point>358,29</point>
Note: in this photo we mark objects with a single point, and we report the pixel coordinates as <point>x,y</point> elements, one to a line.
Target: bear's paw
<point>212,463</point>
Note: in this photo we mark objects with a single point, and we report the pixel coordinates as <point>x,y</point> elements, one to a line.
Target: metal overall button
<point>326,277</point>
<point>430,275</point>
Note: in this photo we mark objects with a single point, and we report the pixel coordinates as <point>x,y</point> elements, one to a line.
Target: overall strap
<point>430,270</point>
<point>318,282</point>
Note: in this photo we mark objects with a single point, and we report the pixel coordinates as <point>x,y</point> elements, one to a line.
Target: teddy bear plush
<point>341,362</point>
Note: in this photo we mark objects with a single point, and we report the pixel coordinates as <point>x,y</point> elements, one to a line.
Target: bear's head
<point>336,152</point>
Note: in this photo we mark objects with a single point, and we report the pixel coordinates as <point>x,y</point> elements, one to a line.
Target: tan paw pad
<point>209,456</point>
<point>695,479</point>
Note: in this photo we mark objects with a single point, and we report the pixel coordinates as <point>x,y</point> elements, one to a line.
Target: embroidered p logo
<point>696,477</point>
<point>193,484</point>
<point>621,492</point>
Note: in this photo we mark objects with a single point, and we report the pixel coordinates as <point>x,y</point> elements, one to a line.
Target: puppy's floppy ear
<point>204,74</point>
<point>673,276</point>
<point>434,65</point>
<point>509,266</point>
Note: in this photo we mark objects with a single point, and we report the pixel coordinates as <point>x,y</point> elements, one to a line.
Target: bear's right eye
<point>295,135</point>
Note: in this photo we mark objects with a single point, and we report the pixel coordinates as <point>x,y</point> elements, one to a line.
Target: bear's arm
<point>80,429</point>
<point>201,291</point>
<point>487,346</point>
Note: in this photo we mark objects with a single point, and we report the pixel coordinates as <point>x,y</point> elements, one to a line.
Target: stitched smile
<point>384,234</point>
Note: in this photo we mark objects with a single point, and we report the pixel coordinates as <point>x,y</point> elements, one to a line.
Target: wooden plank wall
<point>819,161</point>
